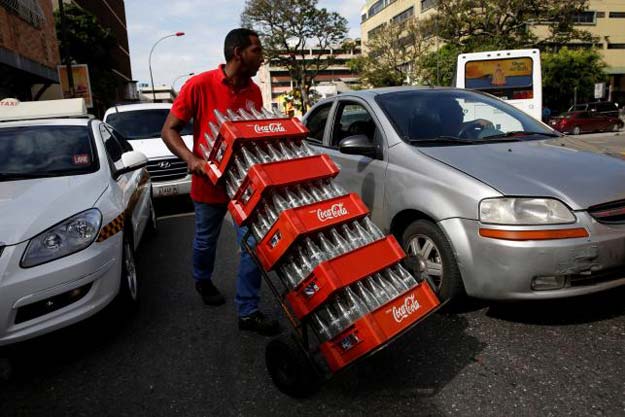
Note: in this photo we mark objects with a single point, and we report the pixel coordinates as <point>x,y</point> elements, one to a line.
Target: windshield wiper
<point>520,133</point>
<point>440,140</point>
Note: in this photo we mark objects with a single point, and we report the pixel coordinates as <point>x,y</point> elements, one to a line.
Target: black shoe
<point>257,322</point>
<point>210,294</point>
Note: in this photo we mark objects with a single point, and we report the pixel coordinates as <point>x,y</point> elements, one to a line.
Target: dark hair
<point>237,38</point>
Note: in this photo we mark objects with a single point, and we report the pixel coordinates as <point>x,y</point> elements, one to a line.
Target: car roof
<point>137,106</point>
<point>48,122</point>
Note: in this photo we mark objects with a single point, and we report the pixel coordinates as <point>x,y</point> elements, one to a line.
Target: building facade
<point>604,19</point>
<point>276,83</point>
<point>111,15</point>
<point>29,50</point>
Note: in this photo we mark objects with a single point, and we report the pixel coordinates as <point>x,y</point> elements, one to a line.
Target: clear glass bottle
<point>245,115</point>
<point>357,306</point>
<point>366,296</point>
<point>255,113</point>
<point>248,157</point>
<point>395,280</point>
<point>388,288</point>
<point>372,228</point>
<point>214,129</point>
<point>315,254</point>
<point>339,242</point>
<point>364,235</point>
<point>219,118</point>
<point>262,156</point>
<point>327,247</point>
<point>321,327</point>
<point>288,153</point>
<point>304,195</point>
<point>274,154</point>
<point>279,203</point>
<point>405,276</point>
<point>378,291</point>
<point>232,115</point>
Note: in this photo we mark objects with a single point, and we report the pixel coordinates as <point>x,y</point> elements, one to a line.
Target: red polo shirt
<point>199,96</point>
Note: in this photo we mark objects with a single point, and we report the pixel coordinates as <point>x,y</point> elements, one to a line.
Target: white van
<point>141,125</point>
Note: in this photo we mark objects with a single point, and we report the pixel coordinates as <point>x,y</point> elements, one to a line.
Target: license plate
<point>167,190</point>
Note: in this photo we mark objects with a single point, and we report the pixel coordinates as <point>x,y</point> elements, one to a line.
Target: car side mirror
<point>358,145</point>
<point>131,161</point>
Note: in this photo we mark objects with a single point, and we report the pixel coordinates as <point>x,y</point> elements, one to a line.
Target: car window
<point>452,114</point>
<point>125,145</point>
<point>142,124</point>
<point>583,115</point>
<point>40,151</point>
<point>114,149</point>
<point>316,122</point>
<point>352,119</point>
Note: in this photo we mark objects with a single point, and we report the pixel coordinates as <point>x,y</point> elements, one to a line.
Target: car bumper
<point>498,269</point>
<point>96,269</point>
<point>171,188</point>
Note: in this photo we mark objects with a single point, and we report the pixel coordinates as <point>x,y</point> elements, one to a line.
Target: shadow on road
<point>577,310</point>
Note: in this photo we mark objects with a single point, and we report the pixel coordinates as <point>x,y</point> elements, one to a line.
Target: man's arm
<point>171,136</point>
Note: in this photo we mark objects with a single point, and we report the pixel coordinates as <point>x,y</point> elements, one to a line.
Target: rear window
<point>44,151</point>
<point>507,78</point>
<point>142,124</point>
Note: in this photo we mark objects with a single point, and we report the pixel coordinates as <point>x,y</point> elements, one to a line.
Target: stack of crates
<point>341,274</point>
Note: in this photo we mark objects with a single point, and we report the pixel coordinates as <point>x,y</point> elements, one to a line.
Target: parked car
<point>141,124</point>
<point>577,122</point>
<point>606,108</point>
<point>488,199</point>
<point>74,204</point>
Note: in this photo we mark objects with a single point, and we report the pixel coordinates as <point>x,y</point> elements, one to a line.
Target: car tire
<point>129,285</point>
<point>576,130</point>
<point>427,242</point>
<point>615,127</point>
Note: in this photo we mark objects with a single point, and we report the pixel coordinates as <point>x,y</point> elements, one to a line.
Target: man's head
<point>242,47</point>
<point>449,113</point>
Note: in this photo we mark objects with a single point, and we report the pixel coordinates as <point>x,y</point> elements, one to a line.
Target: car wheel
<point>129,284</point>
<point>576,130</point>
<point>615,127</point>
<point>435,257</point>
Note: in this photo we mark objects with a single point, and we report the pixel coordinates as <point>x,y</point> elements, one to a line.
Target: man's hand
<point>196,165</point>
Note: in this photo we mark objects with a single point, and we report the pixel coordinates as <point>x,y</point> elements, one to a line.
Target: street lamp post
<point>173,84</point>
<point>150,60</point>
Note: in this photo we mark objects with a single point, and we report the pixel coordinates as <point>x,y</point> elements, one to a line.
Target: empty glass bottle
<point>232,115</point>
<point>327,247</point>
<point>372,228</point>
<point>357,305</point>
<point>308,149</point>
<point>304,195</point>
<point>205,151</point>
<point>316,193</point>
<point>352,240</point>
<point>262,156</point>
<point>241,167</point>
<point>292,198</point>
<point>339,242</point>
<point>369,299</point>
<point>321,327</point>
<point>388,288</point>
<point>395,280</point>
<point>214,129</point>
<point>220,118</point>
<point>255,113</point>
<point>273,153</point>
<point>288,153</point>
<point>378,292</point>
<point>364,236</point>
<point>304,261</point>
<point>279,203</point>
<point>405,276</point>
<point>248,157</point>
<point>245,115</point>
<point>210,141</point>
<point>345,316</point>
<point>267,113</point>
<point>315,254</point>
<point>325,190</point>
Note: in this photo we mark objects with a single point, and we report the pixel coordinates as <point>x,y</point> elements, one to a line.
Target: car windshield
<point>448,117</point>
<point>142,124</point>
<point>45,151</point>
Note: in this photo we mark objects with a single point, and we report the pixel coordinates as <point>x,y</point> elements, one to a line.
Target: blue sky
<point>205,22</point>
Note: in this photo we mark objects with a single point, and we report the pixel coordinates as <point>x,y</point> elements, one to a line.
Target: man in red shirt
<point>228,87</point>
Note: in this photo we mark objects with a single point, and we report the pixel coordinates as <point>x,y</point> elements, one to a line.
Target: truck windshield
<point>45,151</point>
<point>143,124</point>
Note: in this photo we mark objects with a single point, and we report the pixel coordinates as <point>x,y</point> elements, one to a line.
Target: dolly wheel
<point>289,368</point>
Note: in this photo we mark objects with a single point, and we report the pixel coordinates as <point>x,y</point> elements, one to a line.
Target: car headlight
<point>69,236</point>
<point>524,211</point>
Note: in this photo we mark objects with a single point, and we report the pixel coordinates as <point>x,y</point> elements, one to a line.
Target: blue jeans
<point>208,221</point>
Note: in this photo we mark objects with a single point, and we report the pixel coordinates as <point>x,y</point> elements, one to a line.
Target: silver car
<point>492,202</point>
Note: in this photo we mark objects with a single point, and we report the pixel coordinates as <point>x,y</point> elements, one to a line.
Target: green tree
<point>288,29</point>
<point>90,44</point>
<point>568,72</point>
<point>392,57</point>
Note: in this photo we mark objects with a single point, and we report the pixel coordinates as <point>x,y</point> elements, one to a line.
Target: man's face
<point>252,57</point>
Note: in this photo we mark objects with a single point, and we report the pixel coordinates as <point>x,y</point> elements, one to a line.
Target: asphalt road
<point>177,357</point>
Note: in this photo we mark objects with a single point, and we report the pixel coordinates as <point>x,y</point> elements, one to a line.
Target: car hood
<point>155,148</point>
<point>29,207</point>
<point>565,168</point>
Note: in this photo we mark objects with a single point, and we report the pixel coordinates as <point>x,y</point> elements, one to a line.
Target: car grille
<point>170,169</point>
<point>582,280</point>
<point>612,213</point>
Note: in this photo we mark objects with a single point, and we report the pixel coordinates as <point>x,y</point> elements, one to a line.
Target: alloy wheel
<point>428,257</point>
<point>131,270</point>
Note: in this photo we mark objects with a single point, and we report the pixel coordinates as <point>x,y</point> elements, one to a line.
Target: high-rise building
<point>29,52</point>
<point>604,19</point>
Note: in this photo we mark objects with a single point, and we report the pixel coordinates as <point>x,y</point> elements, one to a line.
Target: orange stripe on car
<point>534,234</point>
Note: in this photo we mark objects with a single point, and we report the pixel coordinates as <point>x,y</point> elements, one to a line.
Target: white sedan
<point>75,200</point>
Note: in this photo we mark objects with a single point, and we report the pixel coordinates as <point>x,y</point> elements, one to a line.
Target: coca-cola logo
<point>404,311</point>
<point>275,127</point>
<point>336,210</point>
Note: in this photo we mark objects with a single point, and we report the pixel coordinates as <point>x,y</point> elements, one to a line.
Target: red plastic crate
<point>261,177</point>
<point>232,133</point>
<point>294,223</point>
<point>376,328</point>
<point>336,273</point>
